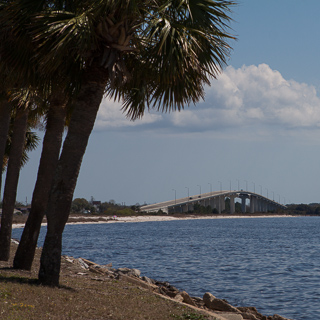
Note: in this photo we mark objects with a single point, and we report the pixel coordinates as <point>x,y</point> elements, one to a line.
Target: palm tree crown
<point>157,54</point>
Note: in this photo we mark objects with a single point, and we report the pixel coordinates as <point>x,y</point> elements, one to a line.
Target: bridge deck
<point>188,201</point>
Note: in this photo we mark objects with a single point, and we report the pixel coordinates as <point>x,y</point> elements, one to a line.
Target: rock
<point>199,302</point>
<point>96,269</point>
<point>231,316</point>
<point>172,294</point>
<point>69,259</point>
<point>213,303</point>
<point>187,299</point>
<point>249,316</point>
<point>148,280</point>
<point>178,297</point>
<point>277,317</point>
<point>250,313</point>
<point>163,283</point>
<point>135,273</point>
<point>82,264</point>
<point>130,272</point>
<point>124,270</point>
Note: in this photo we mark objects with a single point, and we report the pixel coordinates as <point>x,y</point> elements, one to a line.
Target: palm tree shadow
<point>24,280</point>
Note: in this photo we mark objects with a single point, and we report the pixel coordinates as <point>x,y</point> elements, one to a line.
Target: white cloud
<point>110,116</point>
<point>255,95</point>
<point>248,96</point>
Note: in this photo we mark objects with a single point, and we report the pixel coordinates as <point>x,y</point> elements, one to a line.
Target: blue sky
<point>259,126</point>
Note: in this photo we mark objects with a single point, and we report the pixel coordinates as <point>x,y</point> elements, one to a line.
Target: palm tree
<point>20,141</point>
<point>149,54</point>
<point>49,157</point>
<point>12,177</point>
<point>5,111</point>
<point>31,143</point>
<point>16,55</point>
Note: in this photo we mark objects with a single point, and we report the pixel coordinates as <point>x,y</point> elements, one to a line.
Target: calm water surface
<point>270,263</point>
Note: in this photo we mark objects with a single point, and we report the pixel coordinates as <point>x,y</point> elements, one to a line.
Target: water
<point>270,263</point>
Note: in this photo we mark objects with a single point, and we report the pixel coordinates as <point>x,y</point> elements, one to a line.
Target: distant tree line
<point>81,205</point>
<point>304,209</point>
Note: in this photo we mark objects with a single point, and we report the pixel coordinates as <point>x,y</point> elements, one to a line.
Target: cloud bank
<point>248,96</point>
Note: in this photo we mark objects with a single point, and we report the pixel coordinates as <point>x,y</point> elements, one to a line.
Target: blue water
<point>270,263</point>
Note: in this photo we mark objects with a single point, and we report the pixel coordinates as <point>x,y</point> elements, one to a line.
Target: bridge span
<point>216,199</point>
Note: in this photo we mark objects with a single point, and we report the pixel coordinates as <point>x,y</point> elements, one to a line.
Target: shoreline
<point>208,304</point>
<point>151,218</point>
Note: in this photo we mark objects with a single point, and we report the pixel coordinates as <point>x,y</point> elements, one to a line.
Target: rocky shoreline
<point>217,308</point>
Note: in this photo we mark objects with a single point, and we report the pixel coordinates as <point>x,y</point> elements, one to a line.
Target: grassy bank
<point>82,295</point>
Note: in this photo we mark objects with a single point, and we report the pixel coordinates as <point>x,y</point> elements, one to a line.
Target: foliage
<point>136,207</point>
<point>304,209</point>
<point>79,205</point>
<point>199,209</point>
<point>237,207</point>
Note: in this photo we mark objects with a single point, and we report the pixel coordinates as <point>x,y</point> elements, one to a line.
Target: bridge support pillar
<point>258,205</point>
<point>214,203</point>
<point>222,203</point>
<point>252,203</point>
<point>243,204</point>
<point>264,206</point>
<point>232,204</point>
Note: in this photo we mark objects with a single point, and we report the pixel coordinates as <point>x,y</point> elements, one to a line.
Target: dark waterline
<point>270,263</point>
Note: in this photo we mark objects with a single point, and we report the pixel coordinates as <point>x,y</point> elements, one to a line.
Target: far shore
<point>85,219</point>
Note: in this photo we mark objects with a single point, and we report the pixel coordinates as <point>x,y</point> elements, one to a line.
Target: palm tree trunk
<point>5,109</point>
<point>48,162</point>
<point>66,175</point>
<point>11,184</point>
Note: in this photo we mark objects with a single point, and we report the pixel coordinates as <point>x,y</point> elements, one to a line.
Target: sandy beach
<point>148,218</point>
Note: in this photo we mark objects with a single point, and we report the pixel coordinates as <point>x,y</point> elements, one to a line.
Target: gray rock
<point>124,270</point>
<point>82,264</point>
<point>187,299</point>
<point>213,303</point>
<point>135,273</point>
<point>146,279</point>
<point>130,272</point>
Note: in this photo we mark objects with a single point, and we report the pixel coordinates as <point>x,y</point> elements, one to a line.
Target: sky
<point>257,129</point>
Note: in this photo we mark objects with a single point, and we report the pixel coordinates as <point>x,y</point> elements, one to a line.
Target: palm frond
<point>182,44</point>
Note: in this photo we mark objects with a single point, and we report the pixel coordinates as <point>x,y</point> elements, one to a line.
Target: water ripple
<point>273,264</point>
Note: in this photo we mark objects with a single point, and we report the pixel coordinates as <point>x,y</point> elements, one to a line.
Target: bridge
<point>216,199</point>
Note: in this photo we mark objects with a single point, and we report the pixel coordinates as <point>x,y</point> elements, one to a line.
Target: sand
<point>146,218</point>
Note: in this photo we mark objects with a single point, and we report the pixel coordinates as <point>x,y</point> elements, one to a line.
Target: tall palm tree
<point>12,177</point>
<point>5,111</point>
<point>49,157</point>
<point>31,143</point>
<point>16,55</point>
<point>149,54</point>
